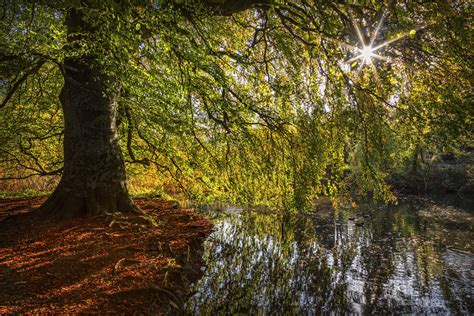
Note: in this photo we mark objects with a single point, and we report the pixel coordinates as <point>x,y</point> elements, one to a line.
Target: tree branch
<point>18,83</point>
<point>229,7</point>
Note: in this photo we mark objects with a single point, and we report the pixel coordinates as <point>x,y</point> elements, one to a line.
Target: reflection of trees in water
<point>263,261</point>
<point>457,287</point>
<point>276,263</point>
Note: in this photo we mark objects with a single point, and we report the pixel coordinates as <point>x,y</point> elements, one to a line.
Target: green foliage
<point>254,108</point>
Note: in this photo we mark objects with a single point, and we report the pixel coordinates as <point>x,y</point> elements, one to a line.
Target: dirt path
<point>98,265</point>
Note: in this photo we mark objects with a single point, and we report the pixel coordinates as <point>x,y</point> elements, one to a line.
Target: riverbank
<point>103,264</point>
<point>444,175</point>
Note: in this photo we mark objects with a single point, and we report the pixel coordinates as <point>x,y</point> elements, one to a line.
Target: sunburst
<point>366,52</point>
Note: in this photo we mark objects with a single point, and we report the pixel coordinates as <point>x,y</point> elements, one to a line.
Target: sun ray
<point>377,56</point>
<point>347,45</point>
<point>359,34</point>
<point>354,59</point>
<point>377,29</point>
<point>376,73</point>
<point>360,67</point>
<point>390,41</point>
<point>367,52</point>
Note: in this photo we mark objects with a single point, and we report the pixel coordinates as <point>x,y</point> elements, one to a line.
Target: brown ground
<point>98,265</point>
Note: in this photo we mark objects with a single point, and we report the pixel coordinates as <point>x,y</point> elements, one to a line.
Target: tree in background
<point>251,101</point>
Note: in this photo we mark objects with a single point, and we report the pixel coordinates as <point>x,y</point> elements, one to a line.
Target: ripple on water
<point>399,260</point>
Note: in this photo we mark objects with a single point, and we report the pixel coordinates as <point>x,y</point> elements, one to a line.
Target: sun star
<point>367,53</point>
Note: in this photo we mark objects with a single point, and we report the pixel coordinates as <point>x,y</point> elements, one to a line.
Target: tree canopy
<point>270,102</point>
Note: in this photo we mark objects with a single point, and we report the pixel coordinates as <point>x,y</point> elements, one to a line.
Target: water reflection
<point>400,259</point>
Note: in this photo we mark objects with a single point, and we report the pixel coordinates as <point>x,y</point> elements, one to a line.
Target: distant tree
<point>258,100</point>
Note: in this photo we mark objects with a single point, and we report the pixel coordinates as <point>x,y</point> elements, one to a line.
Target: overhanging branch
<point>229,7</point>
<point>19,82</point>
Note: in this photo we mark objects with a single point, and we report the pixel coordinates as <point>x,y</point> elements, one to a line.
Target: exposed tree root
<point>62,205</point>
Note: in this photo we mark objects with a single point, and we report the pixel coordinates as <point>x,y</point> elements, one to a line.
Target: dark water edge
<point>414,257</point>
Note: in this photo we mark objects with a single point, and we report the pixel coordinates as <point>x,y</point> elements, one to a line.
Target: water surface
<point>415,257</point>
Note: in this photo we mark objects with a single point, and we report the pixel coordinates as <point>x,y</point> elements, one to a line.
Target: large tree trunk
<point>93,180</point>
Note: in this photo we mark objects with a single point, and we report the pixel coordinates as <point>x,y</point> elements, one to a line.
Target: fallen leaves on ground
<point>91,266</point>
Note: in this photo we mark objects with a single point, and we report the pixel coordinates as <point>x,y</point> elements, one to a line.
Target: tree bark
<point>94,180</point>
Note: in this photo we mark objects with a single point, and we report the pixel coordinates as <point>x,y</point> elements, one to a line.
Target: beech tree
<point>266,100</point>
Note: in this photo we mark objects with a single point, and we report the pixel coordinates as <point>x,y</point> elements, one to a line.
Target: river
<point>414,257</point>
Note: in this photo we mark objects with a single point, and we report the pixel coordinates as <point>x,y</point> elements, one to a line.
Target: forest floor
<point>98,265</point>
